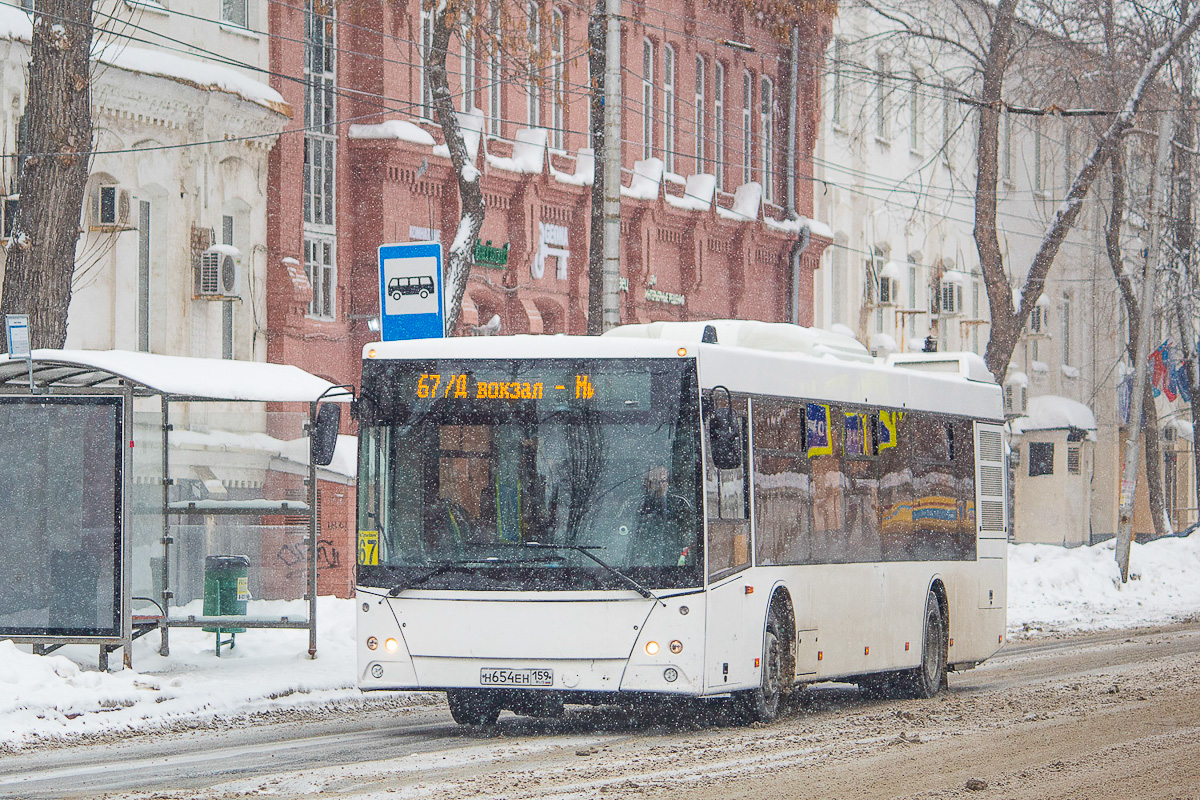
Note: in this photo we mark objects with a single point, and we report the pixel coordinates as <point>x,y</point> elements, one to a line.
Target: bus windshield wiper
<point>586,549</point>
<point>440,569</point>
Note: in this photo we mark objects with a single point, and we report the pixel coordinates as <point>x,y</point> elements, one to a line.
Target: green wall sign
<point>490,256</point>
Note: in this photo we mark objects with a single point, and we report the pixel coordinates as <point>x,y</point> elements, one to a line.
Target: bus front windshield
<point>499,475</point>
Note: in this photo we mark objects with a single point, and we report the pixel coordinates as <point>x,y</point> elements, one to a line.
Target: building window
<point>747,103</point>
<point>647,98</point>
<point>1041,458</point>
<point>669,108</point>
<point>495,78</point>
<point>912,296</point>
<point>235,12</point>
<point>916,114</point>
<point>320,141</point>
<point>883,97</point>
<point>321,269</point>
<point>320,159</point>
<point>838,92</point>
<point>719,123</point>
<point>1038,155</point>
<point>700,78</point>
<point>1066,330</point>
<point>469,82</point>
<point>558,39</point>
<point>766,132</point>
<point>533,92</point>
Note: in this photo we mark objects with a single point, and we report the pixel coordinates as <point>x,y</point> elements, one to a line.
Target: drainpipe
<point>798,248</point>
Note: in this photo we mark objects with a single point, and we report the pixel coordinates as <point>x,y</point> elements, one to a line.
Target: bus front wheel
<point>473,706</point>
<point>762,704</point>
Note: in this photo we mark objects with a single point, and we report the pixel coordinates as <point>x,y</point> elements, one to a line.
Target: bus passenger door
<point>733,640</point>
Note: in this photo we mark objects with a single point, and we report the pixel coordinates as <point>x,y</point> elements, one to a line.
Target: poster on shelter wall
<point>60,513</point>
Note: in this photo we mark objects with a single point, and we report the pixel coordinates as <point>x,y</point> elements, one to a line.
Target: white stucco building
<point>183,124</point>
<point>895,174</point>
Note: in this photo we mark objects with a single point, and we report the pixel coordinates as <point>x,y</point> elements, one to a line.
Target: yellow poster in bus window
<point>368,548</point>
<point>889,421</point>
<point>818,428</point>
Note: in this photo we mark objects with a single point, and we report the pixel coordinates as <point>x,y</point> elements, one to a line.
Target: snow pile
<point>747,201</point>
<point>1053,589</point>
<point>528,155</point>
<point>698,193</point>
<point>585,169</point>
<point>49,697</point>
<point>647,176</point>
<point>400,129</point>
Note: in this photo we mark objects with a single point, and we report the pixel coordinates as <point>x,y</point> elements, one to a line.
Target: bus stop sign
<point>410,291</point>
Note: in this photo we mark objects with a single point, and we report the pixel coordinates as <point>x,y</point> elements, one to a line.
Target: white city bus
<point>708,510</point>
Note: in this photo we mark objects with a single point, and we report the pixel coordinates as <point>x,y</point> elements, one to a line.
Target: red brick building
<point>706,90</point>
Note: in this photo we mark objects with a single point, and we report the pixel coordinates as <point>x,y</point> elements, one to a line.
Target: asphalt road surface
<point>1113,715</point>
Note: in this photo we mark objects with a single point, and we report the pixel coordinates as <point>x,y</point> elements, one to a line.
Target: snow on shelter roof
<point>196,378</point>
<point>1051,412</point>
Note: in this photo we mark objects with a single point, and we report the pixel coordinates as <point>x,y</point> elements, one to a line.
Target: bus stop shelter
<point>121,472</point>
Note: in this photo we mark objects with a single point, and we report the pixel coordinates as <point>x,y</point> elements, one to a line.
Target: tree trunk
<point>41,253</point>
<point>598,43</point>
<point>470,195</point>
<point>1007,325</point>
<point>1184,241</point>
<point>987,242</point>
<point>1112,241</point>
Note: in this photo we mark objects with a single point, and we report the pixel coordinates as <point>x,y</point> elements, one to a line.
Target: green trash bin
<point>226,590</point>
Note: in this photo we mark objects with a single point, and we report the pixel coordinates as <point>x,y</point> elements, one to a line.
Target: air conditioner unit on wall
<point>220,273</point>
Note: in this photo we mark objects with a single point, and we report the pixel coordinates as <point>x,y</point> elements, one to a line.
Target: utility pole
<point>612,167</point>
<point>1142,353</point>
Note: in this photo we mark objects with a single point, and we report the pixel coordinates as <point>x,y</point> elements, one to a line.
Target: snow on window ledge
<point>1040,368</point>
<point>1069,371</point>
<point>148,5</point>
<point>238,30</point>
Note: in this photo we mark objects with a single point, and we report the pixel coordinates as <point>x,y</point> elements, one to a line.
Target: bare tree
<point>41,253</point>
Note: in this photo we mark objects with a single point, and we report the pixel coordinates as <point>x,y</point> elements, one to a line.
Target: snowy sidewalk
<point>1051,591</point>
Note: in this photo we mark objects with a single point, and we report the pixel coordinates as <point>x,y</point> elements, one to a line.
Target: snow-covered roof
<point>1049,412</point>
<point>400,129</point>
<point>15,25</point>
<point>816,227</point>
<point>198,378</point>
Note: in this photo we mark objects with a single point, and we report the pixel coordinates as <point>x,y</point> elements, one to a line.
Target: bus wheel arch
<point>762,704</point>
<point>782,608</point>
<point>938,589</point>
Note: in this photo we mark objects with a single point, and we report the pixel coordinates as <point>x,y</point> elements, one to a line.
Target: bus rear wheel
<point>926,680</point>
<point>473,706</point>
<point>762,704</point>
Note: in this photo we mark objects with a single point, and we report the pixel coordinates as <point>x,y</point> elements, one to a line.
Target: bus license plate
<point>516,677</point>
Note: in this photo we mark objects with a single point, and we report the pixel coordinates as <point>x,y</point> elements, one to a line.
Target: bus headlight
<point>391,645</point>
<point>651,648</point>
<point>372,643</point>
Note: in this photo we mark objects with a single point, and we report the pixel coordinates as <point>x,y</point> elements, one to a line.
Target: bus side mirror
<point>324,434</point>
<point>724,439</point>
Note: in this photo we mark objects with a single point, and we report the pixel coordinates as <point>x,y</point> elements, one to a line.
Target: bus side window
<point>727,500</point>
<point>782,484</point>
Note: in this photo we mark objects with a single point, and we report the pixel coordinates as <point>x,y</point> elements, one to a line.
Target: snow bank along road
<point>1100,715</point>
